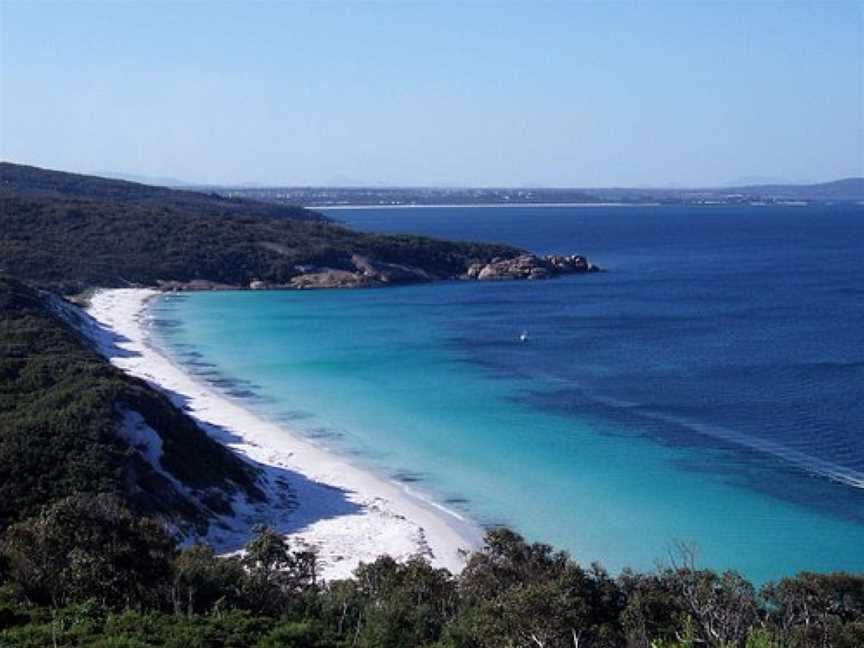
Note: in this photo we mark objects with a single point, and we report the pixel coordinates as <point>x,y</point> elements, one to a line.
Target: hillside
<point>34,182</point>
<point>72,423</point>
<point>70,232</point>
<point>847,189</point>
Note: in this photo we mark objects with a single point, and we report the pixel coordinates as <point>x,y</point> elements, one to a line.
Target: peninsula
<point>70,233</point>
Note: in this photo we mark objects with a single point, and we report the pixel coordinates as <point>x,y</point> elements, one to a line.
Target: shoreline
<point>361,206</point>
<point>337,207</point>
<point>348,514</point>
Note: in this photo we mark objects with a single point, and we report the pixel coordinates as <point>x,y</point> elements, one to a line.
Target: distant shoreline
<point>791,203</point>
<point>472,205</point>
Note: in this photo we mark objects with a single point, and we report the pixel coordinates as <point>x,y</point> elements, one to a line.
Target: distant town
<point>847,190</point>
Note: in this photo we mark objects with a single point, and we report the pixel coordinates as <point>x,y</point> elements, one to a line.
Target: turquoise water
<point>682,396</point>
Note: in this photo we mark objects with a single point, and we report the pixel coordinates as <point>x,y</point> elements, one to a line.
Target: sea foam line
<point>809,464</point>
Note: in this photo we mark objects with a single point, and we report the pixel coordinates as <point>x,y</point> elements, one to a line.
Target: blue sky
<point>479,93</point>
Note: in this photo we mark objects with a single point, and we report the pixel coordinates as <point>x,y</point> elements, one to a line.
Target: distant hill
<point>847,189</point>
<point>69,232</point>
<point>33,182</point>
<point>158,181</point>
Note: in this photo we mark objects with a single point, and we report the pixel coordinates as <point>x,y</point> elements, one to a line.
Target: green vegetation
<point>60,236</point>
<point>64,586</point>
<point>61,407</point>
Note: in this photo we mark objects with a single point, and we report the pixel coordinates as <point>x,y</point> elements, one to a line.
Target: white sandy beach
<point>348,514</point>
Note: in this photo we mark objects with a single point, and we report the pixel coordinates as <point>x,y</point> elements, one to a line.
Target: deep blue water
<point>708,387</point>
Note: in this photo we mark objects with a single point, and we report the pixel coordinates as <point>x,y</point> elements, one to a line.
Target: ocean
<point>706,389</point>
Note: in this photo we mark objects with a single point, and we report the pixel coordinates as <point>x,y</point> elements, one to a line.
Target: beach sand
<point>349,515</point>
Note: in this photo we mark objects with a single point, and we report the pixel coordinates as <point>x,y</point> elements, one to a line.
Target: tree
<point>820,610</point>
<point>89,547</point>
<point>402,604</point>
<point>521,594</point>
<point>722,607</point>
<point>653,612</point>
<point>205,583</point>
<point>276,576</point>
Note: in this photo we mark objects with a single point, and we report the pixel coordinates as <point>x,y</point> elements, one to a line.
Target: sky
<point>553,94</point>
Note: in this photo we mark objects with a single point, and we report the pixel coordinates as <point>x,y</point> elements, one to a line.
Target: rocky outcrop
<point>382,272</point>
<point>331,278</point>
<point>530,266</point>
<point>573,263</point>
<point>195,285</point>
<point>365,272</point>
